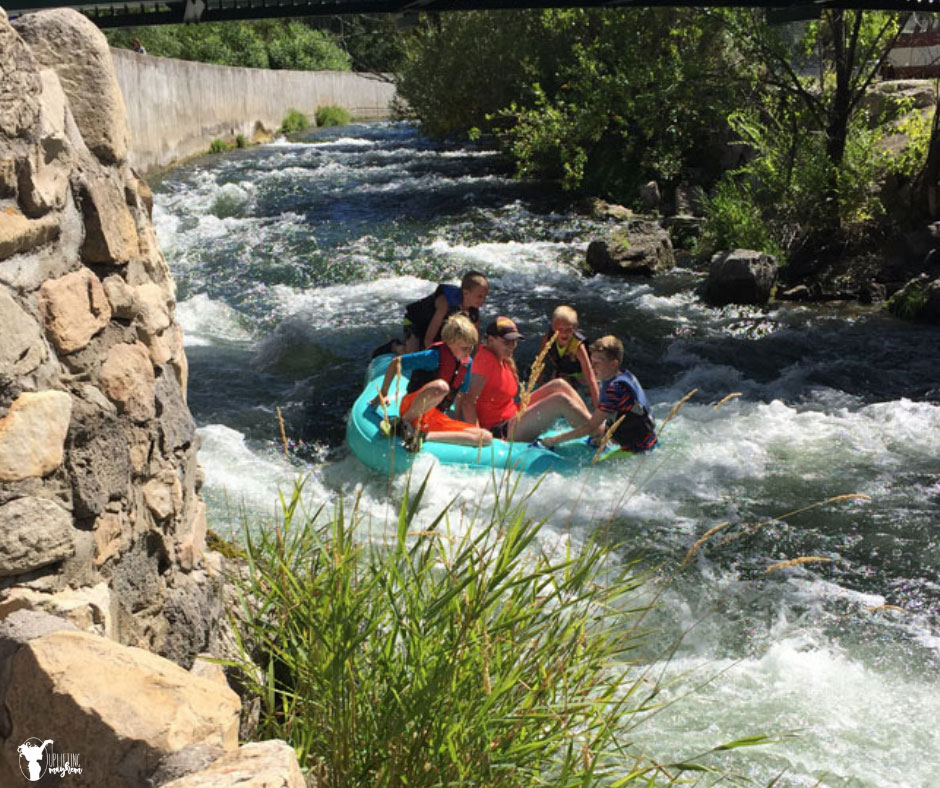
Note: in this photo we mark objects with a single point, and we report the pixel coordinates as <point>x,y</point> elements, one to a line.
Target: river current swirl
<point>293,260</point>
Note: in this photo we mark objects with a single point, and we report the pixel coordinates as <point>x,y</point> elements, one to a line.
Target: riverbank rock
<point>266,764</point>
<point>637,247</point>
<point>101,520</point>
<point>119,711</point>
<point>601,210</point>
<point>741,276</point>
<point>918,300</point>
<point>74,47</point>
<point>920,93</point>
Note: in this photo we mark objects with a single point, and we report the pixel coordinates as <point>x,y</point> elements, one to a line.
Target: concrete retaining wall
<point>176,107</point>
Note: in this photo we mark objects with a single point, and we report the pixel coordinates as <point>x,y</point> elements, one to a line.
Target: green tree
<point>601,99</point>
<point>825,67</point>
<point>271,43</point>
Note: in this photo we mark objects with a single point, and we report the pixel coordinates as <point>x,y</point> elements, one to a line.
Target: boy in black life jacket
<point>424,318</point>
<point>621,395</point>
<point>436,377</point>
<point>568,357</point>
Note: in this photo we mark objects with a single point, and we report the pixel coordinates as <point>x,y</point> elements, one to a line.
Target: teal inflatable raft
<point>386,454</point>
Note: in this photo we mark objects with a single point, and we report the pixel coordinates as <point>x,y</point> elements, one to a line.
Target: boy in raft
<point>621,395</point>
<point>568,357</point>
<point>425,317</point>
<point>436,376</point>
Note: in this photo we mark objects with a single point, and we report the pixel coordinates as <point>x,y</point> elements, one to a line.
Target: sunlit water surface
<point>294,260</point>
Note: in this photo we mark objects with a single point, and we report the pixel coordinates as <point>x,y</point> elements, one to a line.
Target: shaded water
<point>294,260</point>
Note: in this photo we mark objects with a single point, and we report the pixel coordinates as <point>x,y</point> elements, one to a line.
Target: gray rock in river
<point>741,276</point>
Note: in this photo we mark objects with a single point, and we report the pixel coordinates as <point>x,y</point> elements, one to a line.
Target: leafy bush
<point>220,146</point>
<point>734,221</point>
<point>332,116</point>
<point>442,658</point>
<point>909,302</point>
<point>301,48</point>
<point>603,100</point>
<point>241,141</point>
<point>294,122</point>
<point>916,127</point>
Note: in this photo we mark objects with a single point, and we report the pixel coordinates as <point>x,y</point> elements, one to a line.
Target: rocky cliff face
<point>100,515</point>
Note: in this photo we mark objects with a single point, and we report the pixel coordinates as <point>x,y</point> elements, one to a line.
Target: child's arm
<point>469,399</point>
<point>588,371</point>
<point>394,368</point>
<point>437,319</point>
<point>588,428</point>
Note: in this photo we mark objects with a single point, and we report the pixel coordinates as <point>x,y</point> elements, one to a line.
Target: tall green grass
<point>460,654</point>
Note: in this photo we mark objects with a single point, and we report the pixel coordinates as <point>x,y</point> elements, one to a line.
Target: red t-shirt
<point>497,400</point>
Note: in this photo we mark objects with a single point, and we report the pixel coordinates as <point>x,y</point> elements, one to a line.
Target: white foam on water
<point>852,722</point>
<point>351,304</point>
<point>515,264</point>
<point>239,475</point>
<point>207,322</point>
<point>430,184</point>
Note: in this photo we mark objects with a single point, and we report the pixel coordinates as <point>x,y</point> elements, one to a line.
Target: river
<point>293,260</point>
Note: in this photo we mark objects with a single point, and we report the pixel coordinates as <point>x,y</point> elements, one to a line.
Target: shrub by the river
<point>220,146</point>
<point>909,302</point>
<point>294,122</point>
<point>447,656</point>
<point>332,116</point>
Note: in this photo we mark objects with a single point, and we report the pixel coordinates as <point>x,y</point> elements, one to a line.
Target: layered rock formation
<point>101,521</point>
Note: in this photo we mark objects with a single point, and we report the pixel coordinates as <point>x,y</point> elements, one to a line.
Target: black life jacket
<point>637,431</point>
<point>419,313</point>
<point>449,370</point>
<point>564,366</point>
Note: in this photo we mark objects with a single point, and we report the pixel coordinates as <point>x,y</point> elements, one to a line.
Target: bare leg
<point>554,386</point>
<point>412,344</point>
<point>472,437</point>
<point>540,415</point>
<point>429,397</point>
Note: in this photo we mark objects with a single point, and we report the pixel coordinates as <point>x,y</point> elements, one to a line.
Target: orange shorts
<point>434,420</point>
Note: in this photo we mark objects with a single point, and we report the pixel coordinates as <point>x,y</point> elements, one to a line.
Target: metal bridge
<point>133,13</point>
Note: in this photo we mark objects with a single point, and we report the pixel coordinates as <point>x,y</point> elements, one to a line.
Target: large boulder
<point>918,300</point>
<point>119,710</point>
<point>70,43</point>
<point>741,276</point>
<point>637,247</point>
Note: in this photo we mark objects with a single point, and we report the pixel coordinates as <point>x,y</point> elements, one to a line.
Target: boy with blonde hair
<point>436,377</point>
<point>568,357</point>
<point>622,400</point>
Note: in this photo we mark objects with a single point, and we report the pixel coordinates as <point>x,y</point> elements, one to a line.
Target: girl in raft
<point>491,400</point>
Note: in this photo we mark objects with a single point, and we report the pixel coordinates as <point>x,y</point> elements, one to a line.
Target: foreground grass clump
<point>471,657</point>
<point>332,116</point>
<point>294,122</point>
